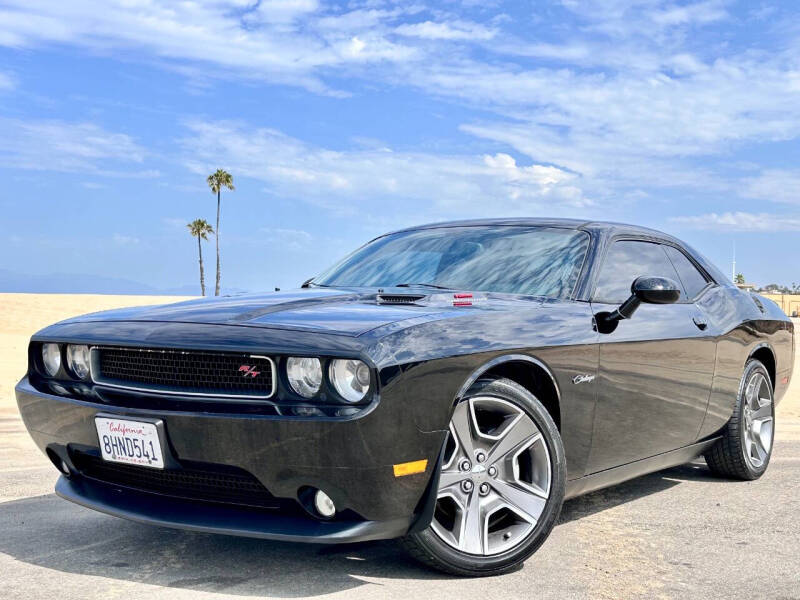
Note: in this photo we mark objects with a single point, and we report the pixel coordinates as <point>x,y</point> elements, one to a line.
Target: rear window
<point>693,280</point>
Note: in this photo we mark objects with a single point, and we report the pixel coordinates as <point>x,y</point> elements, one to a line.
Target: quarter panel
<point>742,328</point>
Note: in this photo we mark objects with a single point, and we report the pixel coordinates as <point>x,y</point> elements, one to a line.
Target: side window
<point>625,261</point>
<point>693,280</point>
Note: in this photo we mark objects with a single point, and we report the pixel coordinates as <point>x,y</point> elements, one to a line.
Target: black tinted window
<point>693,281</point>
<point>625,261</point>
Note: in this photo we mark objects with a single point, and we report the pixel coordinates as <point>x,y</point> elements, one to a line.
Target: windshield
<point>537,261</point>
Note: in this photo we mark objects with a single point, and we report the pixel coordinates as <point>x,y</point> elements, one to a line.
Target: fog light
<point>64,468</point>
<point>324,505</point>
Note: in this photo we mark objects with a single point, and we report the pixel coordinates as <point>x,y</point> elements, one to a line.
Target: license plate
<point>130,442</point>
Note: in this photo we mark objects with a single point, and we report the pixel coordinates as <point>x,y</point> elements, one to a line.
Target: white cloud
<point>70,147</point>
<point>628,127</point>
<point>643,18</point>
<point>125,240</point>
<point>631,97</point>
<point>698,13</point>
<point>291,239</point>
<point>455,30</point>
<point>774,185</point>
<point>175,222</point>
<point>741,221</point>
<point>247,39</point>
<point>287,233</point>
<point>411,182</point>
<point>280,11</point>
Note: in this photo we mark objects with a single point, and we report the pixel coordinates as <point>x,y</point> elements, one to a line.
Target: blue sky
<point>342,120</point>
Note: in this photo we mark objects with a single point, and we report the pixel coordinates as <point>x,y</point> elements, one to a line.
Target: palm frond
<point>200,228</point>
<point>220,179</point>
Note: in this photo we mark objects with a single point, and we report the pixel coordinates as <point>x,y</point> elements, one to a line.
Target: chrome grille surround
<point>184,372</point>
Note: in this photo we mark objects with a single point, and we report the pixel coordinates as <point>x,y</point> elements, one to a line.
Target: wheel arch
<point>529,372</point>
<point>764,354</point>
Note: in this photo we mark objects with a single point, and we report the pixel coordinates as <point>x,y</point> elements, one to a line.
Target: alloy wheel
<point>495,478</point>
<point>758,420</point>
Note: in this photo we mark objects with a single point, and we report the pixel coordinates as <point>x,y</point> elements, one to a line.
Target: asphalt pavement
<point>680,533</point>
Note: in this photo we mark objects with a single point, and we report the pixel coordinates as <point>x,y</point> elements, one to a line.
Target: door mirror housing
<point>656,290</point>
<point>647,289</point>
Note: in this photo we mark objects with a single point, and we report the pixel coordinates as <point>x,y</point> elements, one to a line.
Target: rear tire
<point>746,445</point>
<point>516,467</point>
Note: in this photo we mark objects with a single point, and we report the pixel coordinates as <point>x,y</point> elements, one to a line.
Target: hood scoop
<point>399,298</point>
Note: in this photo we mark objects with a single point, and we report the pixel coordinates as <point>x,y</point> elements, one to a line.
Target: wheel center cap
<point>479,474</point>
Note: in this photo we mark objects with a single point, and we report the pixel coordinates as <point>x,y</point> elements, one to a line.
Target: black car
<point>449,385</point>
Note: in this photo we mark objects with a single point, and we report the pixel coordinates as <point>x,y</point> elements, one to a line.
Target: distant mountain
<point>80,283</point>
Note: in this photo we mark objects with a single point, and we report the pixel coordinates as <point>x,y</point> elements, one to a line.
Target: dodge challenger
<point>449,385</point>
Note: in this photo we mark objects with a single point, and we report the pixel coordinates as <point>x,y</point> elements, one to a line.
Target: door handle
<point>700,322</point>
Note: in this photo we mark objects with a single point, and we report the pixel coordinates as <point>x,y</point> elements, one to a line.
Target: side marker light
<point>410,468</point>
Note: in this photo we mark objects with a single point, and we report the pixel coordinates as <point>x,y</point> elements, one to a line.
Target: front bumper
<point>351,460</point>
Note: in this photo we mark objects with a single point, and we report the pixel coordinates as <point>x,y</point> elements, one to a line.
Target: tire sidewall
<point>522,398</point>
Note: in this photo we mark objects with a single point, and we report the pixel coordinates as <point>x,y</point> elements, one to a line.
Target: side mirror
<point>656,290</point>
<point>647,289</point>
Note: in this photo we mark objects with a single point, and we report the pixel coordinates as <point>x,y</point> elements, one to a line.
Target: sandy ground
<point>677,533</point>
<point>22,315</point>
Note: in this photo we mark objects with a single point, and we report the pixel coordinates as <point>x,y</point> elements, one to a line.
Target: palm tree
<point>216,181</point>
<point>200,228</point>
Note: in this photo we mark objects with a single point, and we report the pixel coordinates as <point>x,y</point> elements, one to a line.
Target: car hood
<point>343,312</point>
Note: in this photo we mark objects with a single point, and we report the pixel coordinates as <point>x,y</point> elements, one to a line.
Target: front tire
<point>746,445</point>
<point>501,486</point>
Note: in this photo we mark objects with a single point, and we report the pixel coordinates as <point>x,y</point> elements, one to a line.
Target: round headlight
<point>350,378</point>
<point>305,375</point>
<point>51,357</point>
<point>78,360</point>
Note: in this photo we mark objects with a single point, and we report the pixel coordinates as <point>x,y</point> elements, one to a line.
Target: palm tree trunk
<point>202,275</point>
<point>216,236</point>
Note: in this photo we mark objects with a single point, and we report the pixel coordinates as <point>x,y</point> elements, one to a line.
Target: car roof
<point>608,227</point>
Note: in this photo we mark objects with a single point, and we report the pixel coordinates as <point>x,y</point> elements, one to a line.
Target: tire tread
<point>726,457</point>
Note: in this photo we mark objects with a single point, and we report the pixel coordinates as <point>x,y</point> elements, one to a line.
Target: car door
<point>656,368</point>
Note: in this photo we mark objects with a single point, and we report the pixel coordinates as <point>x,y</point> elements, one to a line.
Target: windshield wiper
<point>430,285</point>
<point>311,283</point>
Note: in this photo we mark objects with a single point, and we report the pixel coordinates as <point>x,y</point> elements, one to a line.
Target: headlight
<point>350,378</point>
<point>305,375</point>
<point>51,357</point>
<point>78,360</point>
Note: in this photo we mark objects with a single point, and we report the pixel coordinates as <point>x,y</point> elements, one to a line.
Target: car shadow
<point>48,532</point>
<point>594,502</point>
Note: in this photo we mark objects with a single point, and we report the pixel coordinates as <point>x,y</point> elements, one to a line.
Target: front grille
<point>184,371</point>
<point>208,483</point>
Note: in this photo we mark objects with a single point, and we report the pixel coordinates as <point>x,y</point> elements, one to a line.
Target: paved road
<point>678,533</point>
